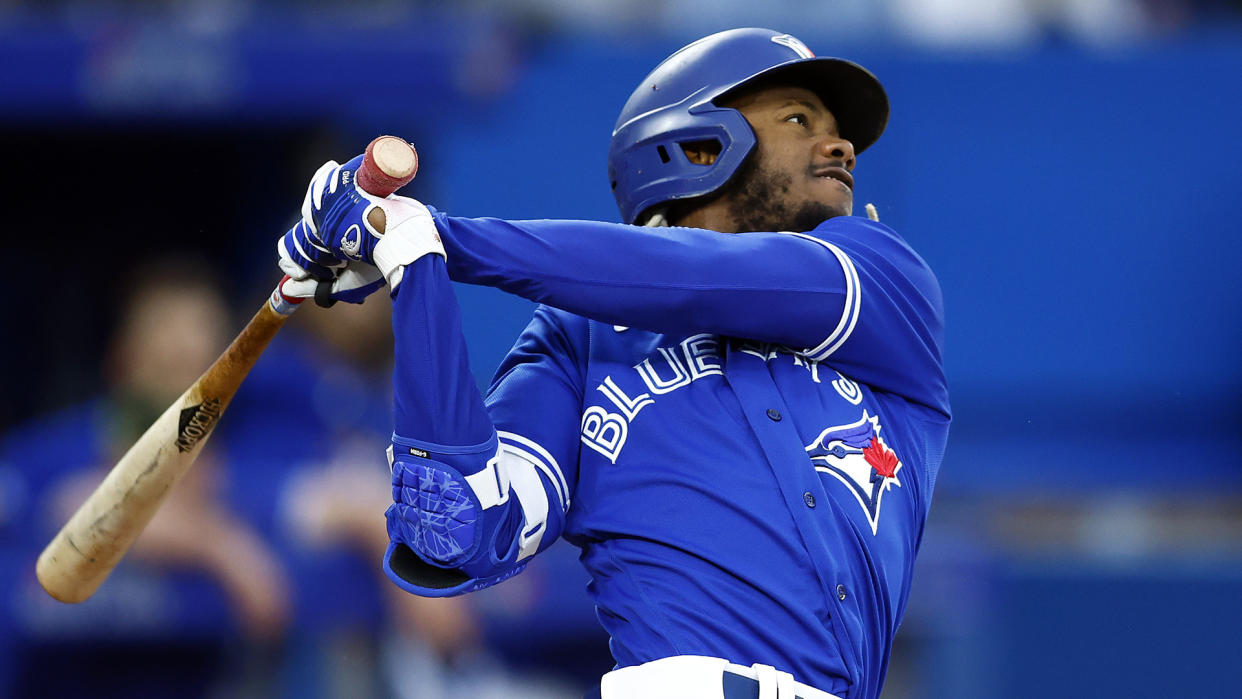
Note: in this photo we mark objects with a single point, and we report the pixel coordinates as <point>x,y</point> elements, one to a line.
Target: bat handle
<point>283,305</point>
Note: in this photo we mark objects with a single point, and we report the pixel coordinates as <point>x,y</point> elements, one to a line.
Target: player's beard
<point>758,202</point>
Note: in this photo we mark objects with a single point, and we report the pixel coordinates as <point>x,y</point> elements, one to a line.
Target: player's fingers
<point>356,282</point>
<point>351,285</point>
<point>314,191</point>
<point>299,288</point>
<point>296,254</point>
<point>357,275</point>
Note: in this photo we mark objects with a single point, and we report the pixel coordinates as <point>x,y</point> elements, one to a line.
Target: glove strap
<point>323,294</point>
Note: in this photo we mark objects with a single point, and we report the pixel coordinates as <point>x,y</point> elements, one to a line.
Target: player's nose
<point>837,148</point>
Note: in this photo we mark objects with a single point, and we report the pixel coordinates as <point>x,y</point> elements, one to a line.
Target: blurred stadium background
<point>1072,169</point>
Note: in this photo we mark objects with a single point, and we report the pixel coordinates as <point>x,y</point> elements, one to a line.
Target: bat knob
<point>389,164</point>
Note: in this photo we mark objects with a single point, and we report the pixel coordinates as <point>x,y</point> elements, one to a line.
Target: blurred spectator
<point>198,571</point>
<point>1015,23</point>
<point>277,527</point>
<point>175,324</point>
<point>845,21</point>
<point>978,23</point>
<point>580,16</point>
<point>937,23</point>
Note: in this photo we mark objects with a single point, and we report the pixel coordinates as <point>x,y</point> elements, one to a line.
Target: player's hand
<point>304,254</point>
<point>351,283</point>
<point>337,228</point>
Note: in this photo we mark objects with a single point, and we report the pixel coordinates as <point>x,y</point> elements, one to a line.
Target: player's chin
<point>835,200</point>
<point>841,201</point>
<point>812,213</point>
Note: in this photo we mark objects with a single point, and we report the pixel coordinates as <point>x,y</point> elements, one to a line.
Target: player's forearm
<point>435,397</point>
<point>761,286</point>
<point>468,512</point>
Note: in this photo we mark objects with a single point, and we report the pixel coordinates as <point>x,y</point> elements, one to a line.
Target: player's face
<point>800,174</point>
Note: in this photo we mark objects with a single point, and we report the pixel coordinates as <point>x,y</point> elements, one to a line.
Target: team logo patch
<point>856,455</point>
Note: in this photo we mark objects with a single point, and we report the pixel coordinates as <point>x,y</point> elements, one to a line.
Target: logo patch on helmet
<point>855,455</point>
<point>793,43</point>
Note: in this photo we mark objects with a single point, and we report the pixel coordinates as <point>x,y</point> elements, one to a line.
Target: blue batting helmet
<point>675,105</point>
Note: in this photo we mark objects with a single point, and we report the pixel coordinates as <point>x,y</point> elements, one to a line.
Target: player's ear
<point>702,152</point>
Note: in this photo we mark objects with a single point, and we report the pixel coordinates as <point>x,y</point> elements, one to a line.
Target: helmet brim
<point>854,96</point>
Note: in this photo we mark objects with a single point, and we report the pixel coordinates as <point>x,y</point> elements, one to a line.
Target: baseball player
<point>733,402</point>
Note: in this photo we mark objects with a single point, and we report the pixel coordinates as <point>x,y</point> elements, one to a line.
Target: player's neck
<point>713,216</point>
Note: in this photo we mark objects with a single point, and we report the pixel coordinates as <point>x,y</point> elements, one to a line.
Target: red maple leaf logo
<point>881,458</point>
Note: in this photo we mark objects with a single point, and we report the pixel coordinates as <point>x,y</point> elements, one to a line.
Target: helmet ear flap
<point>653,167</point>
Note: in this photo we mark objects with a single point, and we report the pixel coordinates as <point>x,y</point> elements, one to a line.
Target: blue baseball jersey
<point>740,432</point>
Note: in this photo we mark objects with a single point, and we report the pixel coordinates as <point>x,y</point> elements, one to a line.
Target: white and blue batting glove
<point>351,283</point>
<point>335,233</point>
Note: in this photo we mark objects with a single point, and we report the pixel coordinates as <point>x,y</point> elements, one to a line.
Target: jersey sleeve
<point>761,286</point>
<point>890,331</point>
<point>536,398</point>
<point>851,291</point>
<point>515,453</point>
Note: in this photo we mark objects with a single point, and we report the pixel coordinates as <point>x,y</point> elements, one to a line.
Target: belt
<point>702,677</point>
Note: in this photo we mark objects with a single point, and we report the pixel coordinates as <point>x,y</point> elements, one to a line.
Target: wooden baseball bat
<point>92,542</point>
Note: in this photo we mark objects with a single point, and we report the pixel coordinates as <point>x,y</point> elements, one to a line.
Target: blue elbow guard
<point>450,532</point>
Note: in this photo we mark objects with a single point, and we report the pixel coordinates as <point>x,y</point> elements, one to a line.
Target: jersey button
<point>774,414</point>
<point>808,499</point>
<point>841,592</point>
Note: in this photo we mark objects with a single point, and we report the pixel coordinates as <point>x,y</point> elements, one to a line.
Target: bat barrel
<point>89,546</point>
<point>82,555</point>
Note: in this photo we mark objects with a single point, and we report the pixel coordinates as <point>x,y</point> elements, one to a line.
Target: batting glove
<point>335,230</point>
<point>351,283</point>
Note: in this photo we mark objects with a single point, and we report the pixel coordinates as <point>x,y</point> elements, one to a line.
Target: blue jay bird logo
<point>855,455</point>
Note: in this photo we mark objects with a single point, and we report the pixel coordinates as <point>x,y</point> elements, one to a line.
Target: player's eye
<point>799,119</point>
